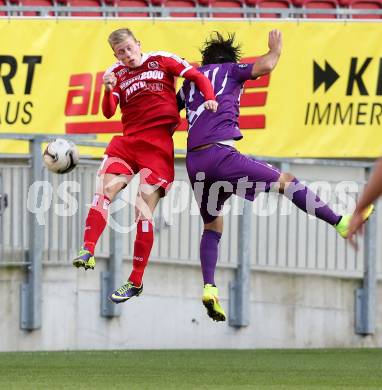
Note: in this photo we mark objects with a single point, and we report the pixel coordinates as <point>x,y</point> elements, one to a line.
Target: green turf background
<point>192,369</point>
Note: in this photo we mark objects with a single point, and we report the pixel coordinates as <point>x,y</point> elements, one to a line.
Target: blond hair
<point>119,36</point>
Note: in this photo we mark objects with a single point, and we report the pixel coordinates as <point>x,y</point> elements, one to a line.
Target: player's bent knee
<point>284,180</point>
<point>112,191</point>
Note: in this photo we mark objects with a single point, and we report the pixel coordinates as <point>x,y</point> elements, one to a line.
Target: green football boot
<point>343,225</point>
<point>84,259</point>
<point>211,302</point>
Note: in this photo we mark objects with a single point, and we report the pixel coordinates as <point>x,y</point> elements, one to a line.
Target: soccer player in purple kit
<point>217,170</point>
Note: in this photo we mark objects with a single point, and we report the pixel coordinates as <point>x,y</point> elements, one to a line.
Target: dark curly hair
<point>216,50</point>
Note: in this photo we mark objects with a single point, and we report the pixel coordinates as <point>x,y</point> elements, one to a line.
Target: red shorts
<point>150,153</point>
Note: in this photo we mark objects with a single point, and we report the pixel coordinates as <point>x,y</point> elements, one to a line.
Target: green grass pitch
<point>193,369</point>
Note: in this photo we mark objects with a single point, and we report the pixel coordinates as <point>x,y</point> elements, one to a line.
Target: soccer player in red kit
<point>143,86</point>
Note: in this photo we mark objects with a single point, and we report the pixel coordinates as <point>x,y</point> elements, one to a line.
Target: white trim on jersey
<point>116,94</point>
<point>111,68</point>
<point>144,58</point>
<point>184,71</point>
<point>181,94</point>
<point>169,55</point>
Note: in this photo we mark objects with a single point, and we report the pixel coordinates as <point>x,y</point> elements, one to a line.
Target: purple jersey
<point>206,127</point>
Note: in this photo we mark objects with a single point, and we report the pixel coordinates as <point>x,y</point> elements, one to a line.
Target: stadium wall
<point>286,311</point>
<point>303,281</point>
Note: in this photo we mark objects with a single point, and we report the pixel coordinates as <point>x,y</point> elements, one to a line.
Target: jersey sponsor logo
<point>137,258</point>
<point>153,65</point>
<point>121,72</point>
<point>124,84</point>
<point>153,75</point>
<point>135,87</point>
<point>155,87</point>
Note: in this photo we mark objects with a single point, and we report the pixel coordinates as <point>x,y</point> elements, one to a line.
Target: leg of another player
<point>209,246</point>
<point>147,199</point>
<point>305,199</point>
<point>108,186</point>
<point>310,202</point>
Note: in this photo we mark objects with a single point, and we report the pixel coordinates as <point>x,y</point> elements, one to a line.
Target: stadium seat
<point>227,4</point>
<point>86,3</point>
<point>61,3</point>
<point>3,4</point>
<point>132,4</point>
<point>250,6</point>
<point>369,5</point>
<point>283,4</point>
<point>38,3</point>
<point>181,3</point>
<point>205,4</point>
<point>320,4</point>
<point>14,2</point>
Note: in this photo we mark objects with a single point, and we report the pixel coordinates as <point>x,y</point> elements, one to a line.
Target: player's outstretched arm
<point>109,101</point>
<point>204,85</point>
<point>266,63</point>
<point>372,191</point>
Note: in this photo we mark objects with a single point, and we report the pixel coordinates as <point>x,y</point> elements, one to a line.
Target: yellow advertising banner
<point>324,99</point>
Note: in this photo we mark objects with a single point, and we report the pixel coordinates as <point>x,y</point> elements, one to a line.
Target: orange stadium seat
<point>227,4</point>
<point>284,4</point>
<point>39,3</point>
<point>183,4</point>
<point>320,4</point>
<point>369,5</point>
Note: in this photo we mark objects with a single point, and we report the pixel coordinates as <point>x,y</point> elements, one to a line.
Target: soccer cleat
<point>126,292</point>
<point>343,225</point>
<point>211,302</point>
<point>84,259</point>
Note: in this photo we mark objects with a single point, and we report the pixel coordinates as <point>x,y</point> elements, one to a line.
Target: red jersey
<point>147,94</point>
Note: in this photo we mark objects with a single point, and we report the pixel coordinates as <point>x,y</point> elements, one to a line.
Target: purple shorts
<point>219,171</point>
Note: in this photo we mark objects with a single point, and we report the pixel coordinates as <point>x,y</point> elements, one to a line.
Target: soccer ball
<point>61,156</point>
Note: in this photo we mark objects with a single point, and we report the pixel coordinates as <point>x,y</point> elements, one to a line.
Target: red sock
<point>142,248</point>
<point>96,221</point>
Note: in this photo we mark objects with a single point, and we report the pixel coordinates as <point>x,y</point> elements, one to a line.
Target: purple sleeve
<point>241,72</point>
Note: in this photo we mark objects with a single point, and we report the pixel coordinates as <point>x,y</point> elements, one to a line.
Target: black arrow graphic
<point>328,76</point>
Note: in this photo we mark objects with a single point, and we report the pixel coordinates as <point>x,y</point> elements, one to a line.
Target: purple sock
<point>309,202</point>
<point>209,254</point>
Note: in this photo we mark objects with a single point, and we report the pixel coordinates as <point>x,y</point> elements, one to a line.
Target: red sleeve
<point>203,84</point>
<point>109,104</point>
